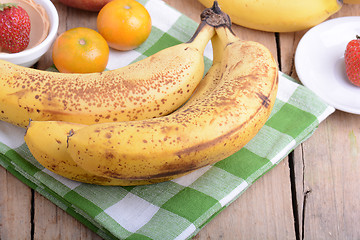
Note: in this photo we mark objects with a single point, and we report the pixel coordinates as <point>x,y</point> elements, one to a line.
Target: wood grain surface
<point>313,193</point>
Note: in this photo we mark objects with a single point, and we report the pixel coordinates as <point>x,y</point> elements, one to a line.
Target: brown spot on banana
<point>149,88</point>
<point>222,138</point>
<point>265,100</point>
<point>233,107</point>
<point>206,130</point>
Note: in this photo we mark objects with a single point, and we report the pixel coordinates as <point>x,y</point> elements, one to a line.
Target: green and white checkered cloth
<point>175,209</point>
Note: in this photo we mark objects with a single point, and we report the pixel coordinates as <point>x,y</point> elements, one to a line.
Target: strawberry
<point>352,61</point>
<point>14,28</point>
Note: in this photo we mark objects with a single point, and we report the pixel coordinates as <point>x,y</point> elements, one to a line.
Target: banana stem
<point>215,17</point>
<point>212,18</point>
<point>202,35</point>
<point>221,22</point>
<point>226,34</point>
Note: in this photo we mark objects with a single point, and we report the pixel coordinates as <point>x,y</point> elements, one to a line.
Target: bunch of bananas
<point>279,15</point>
<point>226,110</point>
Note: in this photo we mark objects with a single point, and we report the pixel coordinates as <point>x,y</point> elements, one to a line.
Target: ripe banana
<point>200,133</point>
<point>149,88</point>
<point>212,77</point>
<point>278,15</point>
<point>46,141</point>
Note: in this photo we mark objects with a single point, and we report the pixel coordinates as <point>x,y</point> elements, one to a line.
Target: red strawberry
<point>352,61</point>
<point>14,28</point>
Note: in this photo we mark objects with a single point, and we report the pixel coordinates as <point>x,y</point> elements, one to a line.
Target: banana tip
<point>215,17</point>
<point>27,127</point>
<point>215,7</point>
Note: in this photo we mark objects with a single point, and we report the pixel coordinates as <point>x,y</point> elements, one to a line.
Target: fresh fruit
<point>89,5</point>
<point>352,61</point>
<point>202,109</point>
<point>199,133</point>
<point>89,51</point>
<point>149,88</point>
<point>14,28</point>
<point>125,24</point>
<point>46,141</point>
<point>278,15</point>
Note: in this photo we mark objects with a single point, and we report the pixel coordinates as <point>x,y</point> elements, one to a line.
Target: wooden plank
<point>264,211</point>
<point>51,222</point>
<point>15,207</point>
<point>330,191</point>
<point>327,165</point>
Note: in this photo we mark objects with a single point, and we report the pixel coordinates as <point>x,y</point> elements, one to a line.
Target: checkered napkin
<point>175,209</point>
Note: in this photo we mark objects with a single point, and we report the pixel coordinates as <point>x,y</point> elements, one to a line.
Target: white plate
<point>319,62</point>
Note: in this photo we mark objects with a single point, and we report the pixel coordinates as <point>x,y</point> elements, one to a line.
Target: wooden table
<point>314,193</point>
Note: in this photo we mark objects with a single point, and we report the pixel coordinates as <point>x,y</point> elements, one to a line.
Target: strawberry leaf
<point>7,5</point>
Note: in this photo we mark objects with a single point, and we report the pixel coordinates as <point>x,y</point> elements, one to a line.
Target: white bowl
<point>30,56</point>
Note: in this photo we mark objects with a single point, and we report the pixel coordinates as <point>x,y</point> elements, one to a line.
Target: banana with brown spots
<point>47,140</point>
<point>200,133</point>
<point>228,108</point>
<point>152,87</point>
